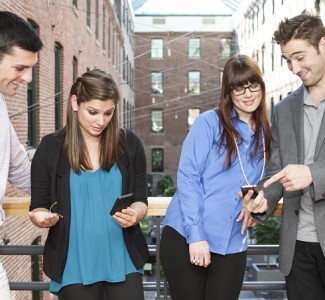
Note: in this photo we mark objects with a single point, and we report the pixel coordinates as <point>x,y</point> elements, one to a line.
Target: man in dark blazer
<point>296,170</point>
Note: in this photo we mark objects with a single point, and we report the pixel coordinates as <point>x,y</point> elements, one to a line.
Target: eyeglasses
<point>50,210</point>
<point>241,90</point>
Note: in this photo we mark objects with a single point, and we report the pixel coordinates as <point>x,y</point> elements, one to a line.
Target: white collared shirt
<point>14,162</point>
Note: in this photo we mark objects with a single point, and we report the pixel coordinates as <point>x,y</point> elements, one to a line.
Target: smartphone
<point>246,188</point>
<point>122,202</point>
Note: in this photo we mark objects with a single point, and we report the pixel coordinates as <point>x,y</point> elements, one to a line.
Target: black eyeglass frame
<point>258,88</point>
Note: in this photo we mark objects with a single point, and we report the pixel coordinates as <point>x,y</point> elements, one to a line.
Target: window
<point>156,83</point>
<point>193,113</point>
<point>74,69</point>
<point>32,91</point>
<point>194,48</point>
<point>225,47</point>
<point>273,56</point>
<point>208,20</point>
<point>88,13</point>
<point>157,48</point>
<point>32,116</point>
<point>157,159</point>
<point>194,82</point>
<point>124,114</point>
<point>97,20</point>
<point>58,85</point>
<point>158,20</point>
<point>263,58</point>
<point>157,125</point>
<point>109,36</point>
<point>104,28</point>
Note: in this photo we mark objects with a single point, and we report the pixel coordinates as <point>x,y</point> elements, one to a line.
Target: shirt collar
<point>307,100</point>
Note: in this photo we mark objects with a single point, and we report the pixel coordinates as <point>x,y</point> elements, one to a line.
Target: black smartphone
<point>246,188</point>
<point>122,202</point>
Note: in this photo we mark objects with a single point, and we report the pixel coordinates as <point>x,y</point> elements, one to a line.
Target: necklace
<point>241,163</point>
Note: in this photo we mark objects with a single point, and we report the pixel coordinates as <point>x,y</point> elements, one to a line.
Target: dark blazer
<point>50,183</point>
<point>287,147</point>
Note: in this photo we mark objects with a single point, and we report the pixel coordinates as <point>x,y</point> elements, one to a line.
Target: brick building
<point>179,58</point>
<point>77,36</point>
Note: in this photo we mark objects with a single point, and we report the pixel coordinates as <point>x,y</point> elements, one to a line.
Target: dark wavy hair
<point>238,71</point>
<point>304,26</point>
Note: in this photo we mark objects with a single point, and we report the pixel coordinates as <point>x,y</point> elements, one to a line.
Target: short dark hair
<point>304,26</point>
<point>16,32</point>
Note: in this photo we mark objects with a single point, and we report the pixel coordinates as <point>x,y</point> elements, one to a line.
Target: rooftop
<point>185,7</point>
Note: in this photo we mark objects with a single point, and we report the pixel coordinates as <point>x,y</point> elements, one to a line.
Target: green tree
<point>169,191</point>
<point>165,183</point>
<point>268,233</point>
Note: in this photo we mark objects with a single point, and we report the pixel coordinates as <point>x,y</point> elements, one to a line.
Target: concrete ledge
<point>18,206</point>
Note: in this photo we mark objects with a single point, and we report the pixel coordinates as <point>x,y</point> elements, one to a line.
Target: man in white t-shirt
<point>19,47</point>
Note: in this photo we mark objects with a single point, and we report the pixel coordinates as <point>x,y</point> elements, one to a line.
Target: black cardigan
<point>50,183</point>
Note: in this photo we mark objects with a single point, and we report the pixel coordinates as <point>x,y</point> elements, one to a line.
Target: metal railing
<point>157,209</point>
<point>159,286</point>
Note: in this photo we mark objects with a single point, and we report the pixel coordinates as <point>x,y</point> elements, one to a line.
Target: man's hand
<point>292,177</point>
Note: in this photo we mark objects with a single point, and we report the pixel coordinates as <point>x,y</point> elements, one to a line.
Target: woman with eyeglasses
<point>204,240</point>
<point>77,174</point>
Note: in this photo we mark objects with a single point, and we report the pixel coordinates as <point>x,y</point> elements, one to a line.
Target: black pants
<point>130,289</point>
<point>222,280</point>
<point>306,279</point>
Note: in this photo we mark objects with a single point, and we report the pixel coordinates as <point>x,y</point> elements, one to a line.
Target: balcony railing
<point>18,206</point>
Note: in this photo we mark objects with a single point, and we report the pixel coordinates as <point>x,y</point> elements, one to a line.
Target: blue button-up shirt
<point>206,203</point>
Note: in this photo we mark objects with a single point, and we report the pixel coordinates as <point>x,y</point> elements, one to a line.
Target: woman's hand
<point>43,218</point>
<point>132,215</point>
<point>257,205</point>
<point>248,220</point>
<point>200,254</point>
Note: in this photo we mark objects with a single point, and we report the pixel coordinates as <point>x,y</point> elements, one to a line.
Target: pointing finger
<point>274,178</point>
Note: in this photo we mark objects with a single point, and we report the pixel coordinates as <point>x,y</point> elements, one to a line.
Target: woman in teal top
<point>79,172</point>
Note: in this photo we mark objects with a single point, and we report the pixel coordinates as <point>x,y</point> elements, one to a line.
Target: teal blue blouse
<point>97,251</point>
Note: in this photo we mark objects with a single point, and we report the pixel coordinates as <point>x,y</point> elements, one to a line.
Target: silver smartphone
<point>246,188</point>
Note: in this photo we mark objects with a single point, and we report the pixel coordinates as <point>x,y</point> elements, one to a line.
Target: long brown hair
<point>94,84</point>
<point>239,71</point>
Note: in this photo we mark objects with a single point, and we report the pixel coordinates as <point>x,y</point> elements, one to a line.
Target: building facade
<point>254,23</point>
<point>77,36</point>
<point>179,60</point>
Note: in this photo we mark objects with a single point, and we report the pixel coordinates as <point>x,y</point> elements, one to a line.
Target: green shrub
<point>165,182</point>
<point>268,233</point>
